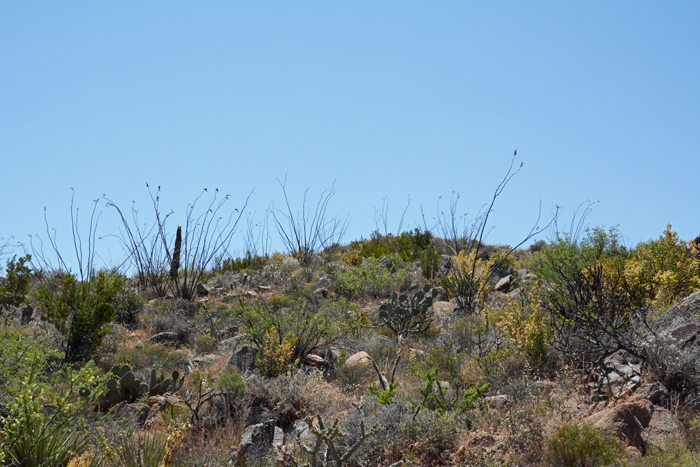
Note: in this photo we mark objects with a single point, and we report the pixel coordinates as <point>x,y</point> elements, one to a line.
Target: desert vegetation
<point>425,347</point>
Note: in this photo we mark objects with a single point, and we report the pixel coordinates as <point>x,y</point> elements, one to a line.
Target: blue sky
<point>386,99</point>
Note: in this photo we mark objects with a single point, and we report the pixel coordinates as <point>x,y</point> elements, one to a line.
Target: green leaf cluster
<point>18,275</point>
<point>408,247</point>
<point>373,278</point>
<point>81,311</point>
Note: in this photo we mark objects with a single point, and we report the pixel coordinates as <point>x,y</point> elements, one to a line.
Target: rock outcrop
<point>681,323</point>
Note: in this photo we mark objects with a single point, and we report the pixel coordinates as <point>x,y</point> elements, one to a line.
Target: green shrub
<point>247,263</point>
<point>127,305</point>
<point>231,382</point>
<point>16,284</point>
<point>430,262</point>
<point>674,455</point>
<point>42,426</point>
<point>81,311</point>
<point>580,446</point>
<point>467,280</point>
<point>525,324</point>
<point>373,279</point>
<point>408,246</point>
<point>135,451</point>
<point>432,436</point>
<point>592,305</point>
<point>289,327</point>
<point>665,268</point>
<point>277,354</point>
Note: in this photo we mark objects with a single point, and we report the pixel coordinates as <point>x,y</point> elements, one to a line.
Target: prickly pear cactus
<point>406,315</point>
<point>122,385</point>
<point>160,385</point>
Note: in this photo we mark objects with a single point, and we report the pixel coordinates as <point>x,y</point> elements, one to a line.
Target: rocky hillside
<point>393,351</point>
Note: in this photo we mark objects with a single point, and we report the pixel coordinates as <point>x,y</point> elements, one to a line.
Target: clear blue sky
<point>601,100</point>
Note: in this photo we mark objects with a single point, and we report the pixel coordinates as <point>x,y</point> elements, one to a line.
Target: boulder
<point>202,290</point>
<point>440,308</point>
<point>504,284</point>
<point>257,439</point>
<point>154,413</point>
<point>302,433</point>
<point>245,359</point>
<point>497,276</point>
<point>227,346</point>
<point>498,300</point>
<point>621,373</point>
<point>278,438</point>
<point>205,360</point>
<point>186,366</point>
<point>501,401</point>
<point>664,427</point>
<point>656,393</point>
<point>315,361</point>
<point>681,323</point>
<point>627,421</point>
<point>165,338</point>
<point>358,359</point>
<point>531,278</point>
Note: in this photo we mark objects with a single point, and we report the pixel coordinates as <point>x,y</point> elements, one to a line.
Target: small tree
<point>79,304</point>
<point>81,311</point>
<point>592,307</point>
<point>16,283</point>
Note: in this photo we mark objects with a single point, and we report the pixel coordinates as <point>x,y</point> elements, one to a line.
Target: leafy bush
<point>468,280</point>
<point>373,279</point>
<point>432,436</point>
<point>505,260</point>
<point>161,357</point>
<point>593,307</point>
<point>81,311</point>
<point>135,451</point>
<point>230,382</point>
<point>277,354</point>
<point>525,323</point>
<point>409,247</point>
<point>301,325</point>
<point>674,455</point>
<point>580,446</point>
<point>127,305</point>
<point>247,263</point>
<point>44,414</point>
<point>664,268</point>
<point>16,284</point>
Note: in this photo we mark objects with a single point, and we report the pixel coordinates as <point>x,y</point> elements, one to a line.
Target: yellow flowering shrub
<point>664,268</point>
<point>524,322</point>
<point>277,354</point>
<point>468,282</point>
